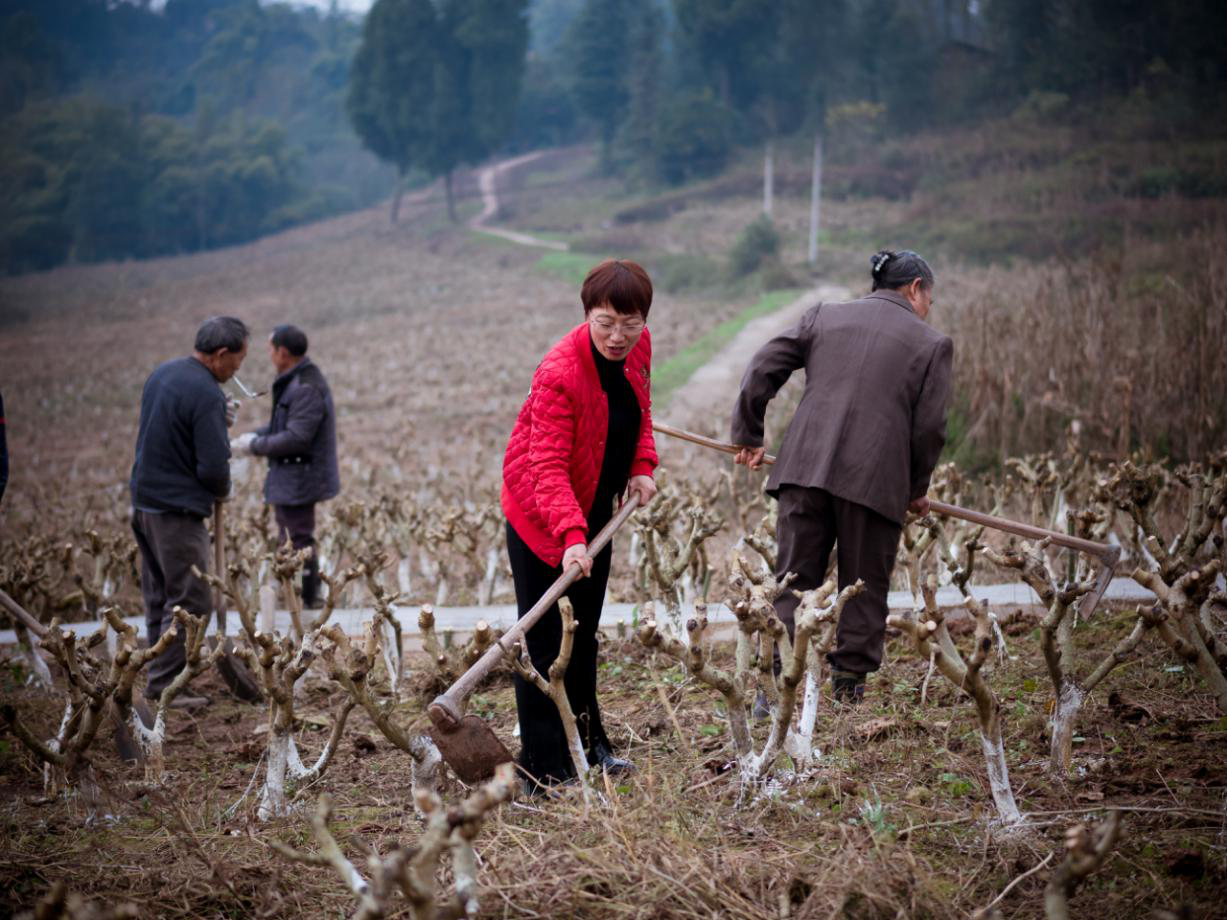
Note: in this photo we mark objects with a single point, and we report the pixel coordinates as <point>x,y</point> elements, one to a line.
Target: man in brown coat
<point>860,449</point>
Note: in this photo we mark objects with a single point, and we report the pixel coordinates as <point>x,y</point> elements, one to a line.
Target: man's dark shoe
<point>604,759</point>
<point>848,687</point>
<point>312,603</point>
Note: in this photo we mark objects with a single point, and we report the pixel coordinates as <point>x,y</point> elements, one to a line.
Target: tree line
<point>670,88</point>
<point>130,131</point>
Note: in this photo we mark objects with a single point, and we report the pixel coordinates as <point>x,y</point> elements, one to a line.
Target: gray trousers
<point>813,521</point>
<point>170,545</point>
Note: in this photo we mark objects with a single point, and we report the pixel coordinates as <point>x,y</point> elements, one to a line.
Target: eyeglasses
<point>629,329</point>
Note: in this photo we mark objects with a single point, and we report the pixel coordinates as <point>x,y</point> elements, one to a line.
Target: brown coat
<point>872,420</point>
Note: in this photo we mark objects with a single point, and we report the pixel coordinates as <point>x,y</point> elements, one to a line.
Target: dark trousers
<point>170,545</point>
<point>297,523</point>
<point>811,522</point>
<point>543,751</point>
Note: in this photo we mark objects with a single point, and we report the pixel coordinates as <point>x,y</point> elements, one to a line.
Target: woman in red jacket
<point>582,440</point>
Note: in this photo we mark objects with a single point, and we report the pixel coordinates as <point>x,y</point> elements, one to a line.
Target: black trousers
<point>297,522</point>
<point>170,545</point>
<point>813,521</point>
<point>543,752</point>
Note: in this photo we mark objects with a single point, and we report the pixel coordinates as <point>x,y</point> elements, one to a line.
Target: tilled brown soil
<point>895,821</point>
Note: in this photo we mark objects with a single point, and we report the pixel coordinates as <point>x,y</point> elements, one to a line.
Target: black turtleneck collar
<point>609,371</point>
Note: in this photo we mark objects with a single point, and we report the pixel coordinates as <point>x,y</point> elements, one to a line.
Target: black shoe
<point>312,603</point>
<point>848,687</point>
<point>603,758</point>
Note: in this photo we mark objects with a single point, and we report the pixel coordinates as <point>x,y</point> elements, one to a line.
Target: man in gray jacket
<point>860,449</point>
<point>300,442</point>
<point>182,467</point>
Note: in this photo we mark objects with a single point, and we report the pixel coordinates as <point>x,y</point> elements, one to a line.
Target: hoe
<point>1107,555</point>
<point>472,750</point>
<point>466,742</point>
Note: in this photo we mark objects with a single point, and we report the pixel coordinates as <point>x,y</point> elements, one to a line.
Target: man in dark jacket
<point>860,449</point>
<point>300,442</point>
<point>182,467</point>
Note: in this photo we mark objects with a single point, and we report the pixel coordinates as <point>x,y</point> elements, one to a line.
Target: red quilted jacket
<point>553,459</point>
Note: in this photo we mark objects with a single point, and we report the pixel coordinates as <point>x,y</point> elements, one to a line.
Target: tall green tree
<point>478,76</point>
<point>729,39</point>
<point>644,84</point>
<point>392,84</point>
<point>436,87</point>
<point>599,46</point>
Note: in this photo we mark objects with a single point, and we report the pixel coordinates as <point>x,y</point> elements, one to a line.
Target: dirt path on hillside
<point>487,181</point>
<point>710,391</point>
<point>707,397</point>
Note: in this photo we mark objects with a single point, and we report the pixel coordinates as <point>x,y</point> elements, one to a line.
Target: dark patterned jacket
<point>300,439</point>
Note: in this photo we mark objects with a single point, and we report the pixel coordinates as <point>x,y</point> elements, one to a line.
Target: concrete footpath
<point>461,620</point>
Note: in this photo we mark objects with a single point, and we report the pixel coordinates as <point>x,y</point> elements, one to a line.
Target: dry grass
<point>1129,346</point>
<point>679,839</point>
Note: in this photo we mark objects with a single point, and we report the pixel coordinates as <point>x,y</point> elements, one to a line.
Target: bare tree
<point>759,633</point>
<point>1183,571</point>
<point>412,871</point>
<point>92,690</point>
<point>350,667</point>
<point>932,640</point>
<point>280,661</point>
<point>1085,852</point>
<point>556,689</point>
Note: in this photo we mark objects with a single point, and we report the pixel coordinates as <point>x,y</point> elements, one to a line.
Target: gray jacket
<point>300,440</point>
<point>872,420</point>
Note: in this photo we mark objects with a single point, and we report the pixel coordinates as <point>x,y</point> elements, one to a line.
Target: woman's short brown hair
<point>622,284</point>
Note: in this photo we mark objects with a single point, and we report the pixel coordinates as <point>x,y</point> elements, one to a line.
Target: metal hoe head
<point>470,748</point>
<point>1107,566</point>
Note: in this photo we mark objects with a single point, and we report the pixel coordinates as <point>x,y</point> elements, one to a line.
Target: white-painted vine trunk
<point>53,776</point>
<point>272,797</point>
<point>424,773</point>
<point>40,674</point>
<point>152,742</point>
<point>999,776</point>
<point>392,654</point>
<point>486,592</point>
<point>404,577</point>
<point>799,745</point>
<point>1064,719</point>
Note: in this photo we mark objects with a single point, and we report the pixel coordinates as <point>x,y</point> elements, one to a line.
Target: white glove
<point>242,444</point>
<point>232,410</point>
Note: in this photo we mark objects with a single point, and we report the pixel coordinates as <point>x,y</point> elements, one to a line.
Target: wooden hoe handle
<point>447,709</point>
<point>1108,553</point>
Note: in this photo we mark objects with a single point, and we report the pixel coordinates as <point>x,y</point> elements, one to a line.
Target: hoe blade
<point>471,749</point>
<point>237,676</point>
<point>1107,567</point>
